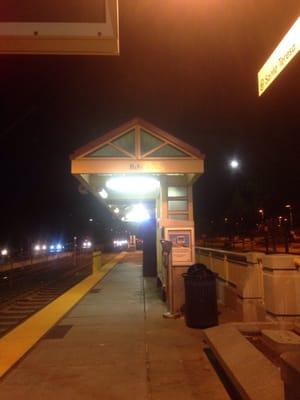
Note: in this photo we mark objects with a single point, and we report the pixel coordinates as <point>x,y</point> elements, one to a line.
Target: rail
<point>10,264</point>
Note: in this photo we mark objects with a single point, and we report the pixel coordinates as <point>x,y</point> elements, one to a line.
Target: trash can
<point>201,310</point>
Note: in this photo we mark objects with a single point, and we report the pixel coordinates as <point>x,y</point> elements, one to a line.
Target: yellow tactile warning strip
<point>16,343</point>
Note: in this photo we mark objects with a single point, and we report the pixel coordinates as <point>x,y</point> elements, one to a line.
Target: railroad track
<point>33,288</point>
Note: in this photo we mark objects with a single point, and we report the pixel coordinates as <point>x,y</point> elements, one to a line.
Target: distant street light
<point>234,164</point>
<point>289,207</point>
<point>262,214</point>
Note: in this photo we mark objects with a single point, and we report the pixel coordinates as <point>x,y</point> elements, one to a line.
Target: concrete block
<point>221,287</point>
<point>282,292</point>
<point>254,257</point>
<point>281,341</point>
<point>278,261</point>
<point>290,373</point>
<point>297,328</point>
<point>254,376</point>
<point>230,297</point>
<point>250,309</point>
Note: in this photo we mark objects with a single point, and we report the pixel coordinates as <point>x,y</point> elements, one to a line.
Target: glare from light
<point>58,246</point>
<point>234,164</point>
<point>288,206</point>
<point>103,193</point>
<point>132,184</point>
<point>4,252</point>
<point>52,247</point>
<point>138,213</point>
<point>120,243</point>
<point>116,210</point>
<point>87,244</point>
<point>44,247</point>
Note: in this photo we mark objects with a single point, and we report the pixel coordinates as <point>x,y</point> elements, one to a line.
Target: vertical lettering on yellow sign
<point>279,59</point>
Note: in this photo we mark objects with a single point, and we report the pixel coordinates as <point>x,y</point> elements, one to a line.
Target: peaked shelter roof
<point>137,139</point>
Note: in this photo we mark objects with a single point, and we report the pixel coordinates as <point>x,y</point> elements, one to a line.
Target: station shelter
<point>141,172</point>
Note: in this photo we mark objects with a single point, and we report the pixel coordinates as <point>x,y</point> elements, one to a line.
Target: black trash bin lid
<point>199,271</point>
<point>196,269</point>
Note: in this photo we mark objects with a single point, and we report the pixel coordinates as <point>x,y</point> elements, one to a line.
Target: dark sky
<point>190,67</point>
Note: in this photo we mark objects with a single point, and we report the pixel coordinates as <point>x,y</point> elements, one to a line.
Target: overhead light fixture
<point>138,213</point>
<point>103,193</point>
<point>234,164</point>
<point>133,184</point>
<point>116,210</point>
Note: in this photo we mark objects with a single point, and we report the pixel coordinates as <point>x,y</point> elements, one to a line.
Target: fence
<point>255,285</point>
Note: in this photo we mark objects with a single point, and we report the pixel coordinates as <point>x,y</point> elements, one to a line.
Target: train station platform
<point>115,345</point>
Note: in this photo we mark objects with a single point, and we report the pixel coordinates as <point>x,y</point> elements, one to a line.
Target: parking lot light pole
<point>262,214</point>
<point>289,207</point>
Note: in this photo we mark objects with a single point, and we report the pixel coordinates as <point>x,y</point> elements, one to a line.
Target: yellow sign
<point>85,27</point>
<point>279,59</point>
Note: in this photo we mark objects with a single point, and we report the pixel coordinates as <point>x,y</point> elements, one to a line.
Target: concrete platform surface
<point>115,345</point>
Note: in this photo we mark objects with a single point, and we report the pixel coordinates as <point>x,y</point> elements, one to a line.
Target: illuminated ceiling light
<point>103,193</point>
<point>234,164</point>
<point>116,210</point>
<point>138,213</point>
<point>133,184</point>
<point>4,252</point>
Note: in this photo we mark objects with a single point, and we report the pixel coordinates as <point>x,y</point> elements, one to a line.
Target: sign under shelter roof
<point>137,150</point>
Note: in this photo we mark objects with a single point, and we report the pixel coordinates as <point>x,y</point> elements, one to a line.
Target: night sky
<point>189,67</point>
